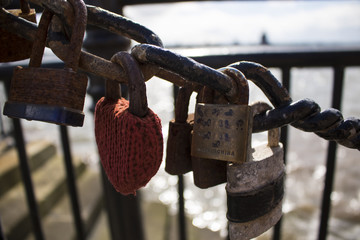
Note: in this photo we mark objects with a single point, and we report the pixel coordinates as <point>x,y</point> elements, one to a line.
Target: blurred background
<point>202,28</point>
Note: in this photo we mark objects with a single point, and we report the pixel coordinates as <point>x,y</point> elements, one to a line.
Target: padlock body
<point>222,132</point>
<point>208,172</point>
<point>255,191</point>
<point>178,158</point>
<point>50,95</point>
<point>12,46</point>
<point>252,229</point>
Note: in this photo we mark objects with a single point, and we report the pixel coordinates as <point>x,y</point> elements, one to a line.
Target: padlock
<point>51,95</point>
<point>207,172</point>
<point>128,135</point>
<point>221,132</point>
<point>12,46</point>
<point>178,158</point>
<point>255,190</point>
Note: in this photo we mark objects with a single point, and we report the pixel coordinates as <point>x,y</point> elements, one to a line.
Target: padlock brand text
<point>217,151</point>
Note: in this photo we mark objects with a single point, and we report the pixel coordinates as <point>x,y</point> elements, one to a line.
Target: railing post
<point>26,176</point>
<point>331,157</point>
<point>71,183</point>
<point>2,236</point>
<point>181,201</point>
<point>283,139</point>
<point>181,213</point>
<point>124,212</point>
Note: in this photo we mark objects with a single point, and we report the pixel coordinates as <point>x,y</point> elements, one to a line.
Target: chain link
<point>305,114</point>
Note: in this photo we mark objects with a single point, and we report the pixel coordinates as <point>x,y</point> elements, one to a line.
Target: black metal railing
<point>336,57</point>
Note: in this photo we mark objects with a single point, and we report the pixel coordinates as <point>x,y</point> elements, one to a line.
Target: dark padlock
<point>207,172</point>
<point>221,133</point>
<point>12,46</point>
<point>51,95</point>
<point>128,135</point>
<point>178,158</point>
<point>255,190</point>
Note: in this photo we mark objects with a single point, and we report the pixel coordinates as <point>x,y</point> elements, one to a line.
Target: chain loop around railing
<point>305,114</point>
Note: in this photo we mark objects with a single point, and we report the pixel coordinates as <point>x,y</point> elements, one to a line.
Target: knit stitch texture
<point>130,147</point>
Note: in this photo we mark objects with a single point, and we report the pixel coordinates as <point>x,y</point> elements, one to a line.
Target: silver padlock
<point>255,190</point>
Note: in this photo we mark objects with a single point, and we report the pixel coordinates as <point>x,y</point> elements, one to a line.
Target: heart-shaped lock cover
<point>130,147</point>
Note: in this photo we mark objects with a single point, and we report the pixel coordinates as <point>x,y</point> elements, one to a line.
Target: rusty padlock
<point>221,133</point>
<point>255,190</point>
<point>51,95</point>
<point>207,172</point>
<point>128,135</point>
<point>12,46</point>
<point>178,158</point>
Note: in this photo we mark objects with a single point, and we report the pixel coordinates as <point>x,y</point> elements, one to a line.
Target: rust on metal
<point>223,131</point>
<point>136,83</point>
<point>328,124</point>
<point>41,35</point>
<point>14,47</point>
<point>178,157</point>
<point>77,36</point>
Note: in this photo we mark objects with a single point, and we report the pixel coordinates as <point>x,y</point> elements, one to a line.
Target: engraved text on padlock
<point>220,130</point>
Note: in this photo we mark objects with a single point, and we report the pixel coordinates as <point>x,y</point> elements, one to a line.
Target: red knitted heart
<point>130,147</point>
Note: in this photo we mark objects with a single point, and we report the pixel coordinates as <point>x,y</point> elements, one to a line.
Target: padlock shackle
<point>38,48</point>
<point>77,36</point>
<point>182,103</point>
<point>24,6</point>
<point>206,95</point>
<point>112,90</point>
<point>242,98</point>
<point>274,133</point>
<point>138,105</point>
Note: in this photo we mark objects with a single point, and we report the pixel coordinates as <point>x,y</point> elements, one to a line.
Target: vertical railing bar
<point>2,130</point>
<point>2,235</point>
<point>181,214</point>
<point>71,183</point>
<point>181,202</point>
<point>26,176</point>
<point>284,140</point>
<point>331,157</point>
<point>284,131</point>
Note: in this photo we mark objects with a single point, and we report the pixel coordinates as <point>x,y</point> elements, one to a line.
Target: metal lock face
<point>208,172</point>
<point>220,131</point>
<point>255,190</point>
<point>12,46</point>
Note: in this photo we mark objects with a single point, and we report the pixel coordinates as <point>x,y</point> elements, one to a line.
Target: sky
<point>197,23</point>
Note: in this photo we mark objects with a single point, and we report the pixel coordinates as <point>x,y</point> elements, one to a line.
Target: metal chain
<point>305,114</point>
